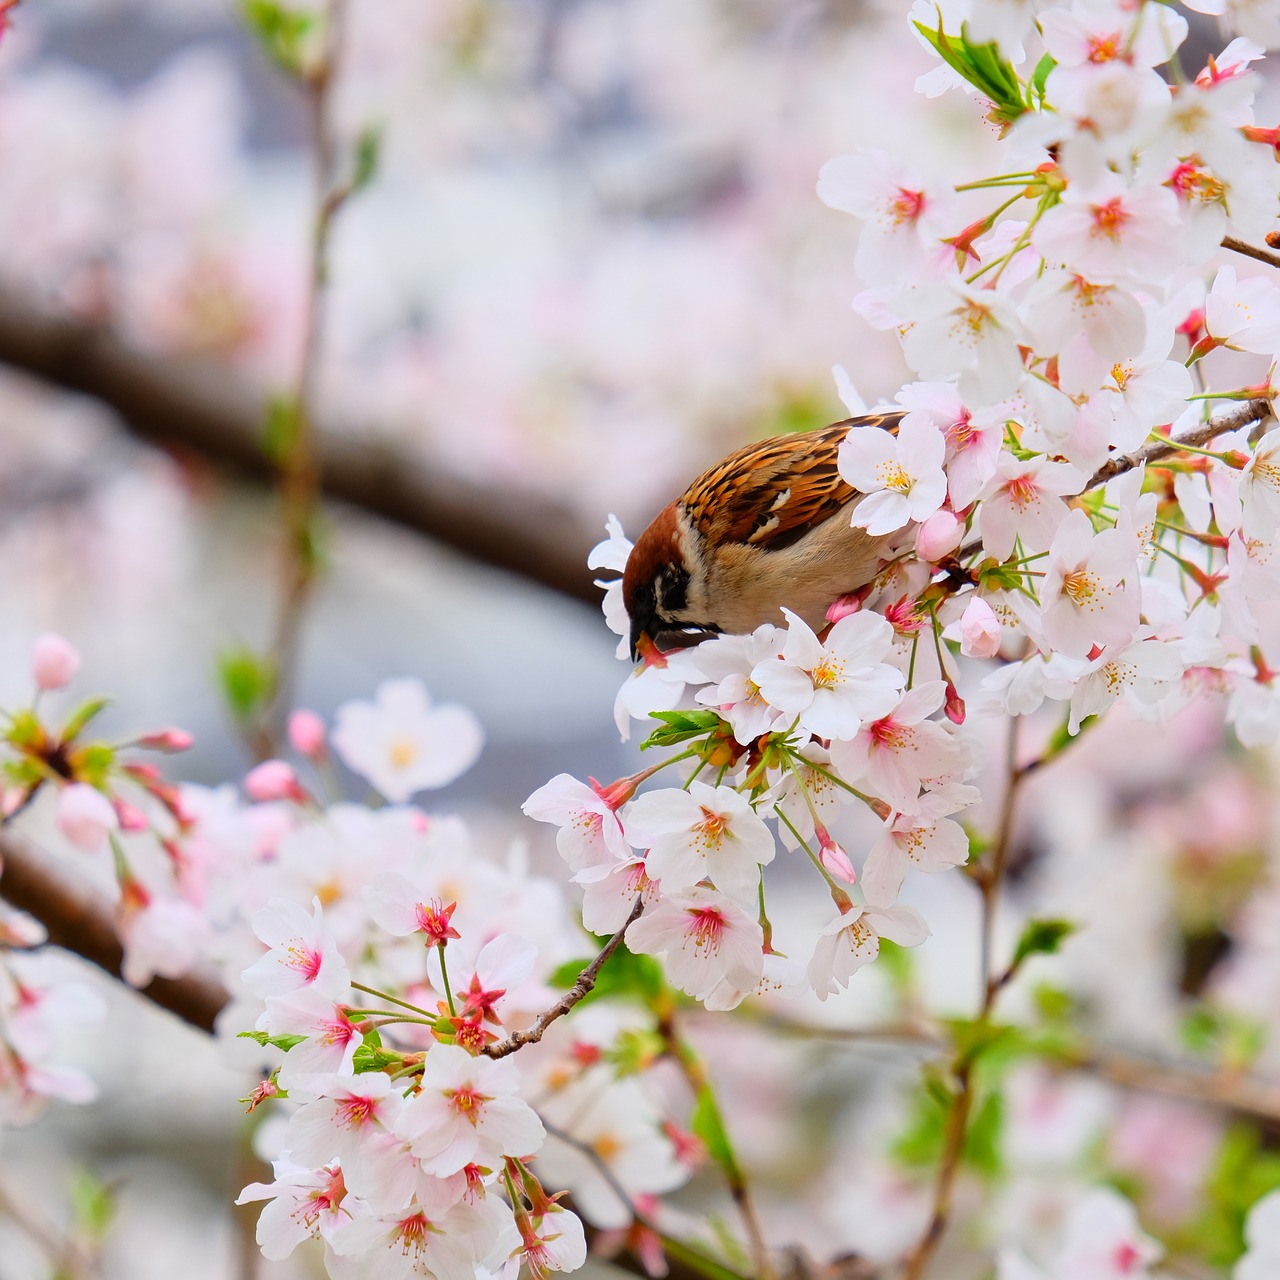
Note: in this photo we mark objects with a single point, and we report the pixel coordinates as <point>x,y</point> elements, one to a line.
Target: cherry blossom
<point>467,1111</point>
<point>304,1204</point>
<point>704,938</point>
<point>852,939</point>
<point>1022,503</point>
<point>589,836</point>
<point>1084,598</point>
<point>303,953</point>
<point>85,816</point>
<point>698,834</point>
<point>402,744</point>
<point>832,685</point>
<point>900,475</point>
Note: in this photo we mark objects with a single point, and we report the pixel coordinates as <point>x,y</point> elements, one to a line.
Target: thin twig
<point>70,1259</point>
<point>1251,251</point>
<point>299,469</point>
<point>1242,415</point>
<point>576,994</point>
<point>683,1056</point>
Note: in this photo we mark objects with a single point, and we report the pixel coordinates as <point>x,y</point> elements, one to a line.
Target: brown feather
<point>770,493</point>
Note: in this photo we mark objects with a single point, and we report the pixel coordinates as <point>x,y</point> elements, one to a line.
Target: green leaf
<point>706,1123</point>
<point>282,32</point>
<point>25,729</point>
<point>982,1137</point>
<point>369,1057</point>
<point>1039,76</point>
<point>93,1204</point>
<point>247,681</point>
<point>1039,938</point>
<point>81,716</point>
<point>624,975</point>
<point>280,428</point>
<point>279,1042</point>
<point>368,153</point>
<point>680,726</point>
<point>983,66</point>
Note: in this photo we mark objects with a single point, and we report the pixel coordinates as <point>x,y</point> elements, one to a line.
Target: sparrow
<point>766,527</point>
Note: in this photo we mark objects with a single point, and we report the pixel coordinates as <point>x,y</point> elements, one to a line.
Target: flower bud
<point>842,607</point>
<point>85,816</point>
<point>979,630</point>
<point>833,857</point>
<point>54,661</point>
<point>939,536</point>
<point>274,780</point>
<point>307,734</point>
<point>167,740</point>
<point>129,816</point>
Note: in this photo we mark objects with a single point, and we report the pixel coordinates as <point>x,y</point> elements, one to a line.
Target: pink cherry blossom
<point>589,836</point>
<point>305,1203</point>
<point>852,939</point>
<point>1243,314</point>
<point>1023,503</point>
<point>902,221</point>
<point>402,744</point>
<point>727,662</point>
<point>54,661</point>
<point>979,628</point>
<point>467,1111</point>
<point>338,1123</point>
<point>939,536</point>
<point>832,686</point>
<point>303,953</point>
<point>704,938</point>
<point>702,833</point>
<point>1112,230</point>
<point>901,476</point>
<point>1084,598</point>
<point>896,752</point>
<point>928,843</point>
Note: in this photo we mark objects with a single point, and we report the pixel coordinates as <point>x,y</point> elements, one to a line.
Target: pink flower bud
<point>85,816</point>
<point>939,536</point>
<point>167,740</point>
<point>54,661</point>
<point>979,630</point>
<point>130,817</point>
<point>274,780</point>
<point>307,734</point>
<point>842,607</point>
<point>833,857</point>
<point>954,707</point>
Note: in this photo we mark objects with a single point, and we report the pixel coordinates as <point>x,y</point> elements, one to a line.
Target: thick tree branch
<point>194,405</point>
<point>79,920</point>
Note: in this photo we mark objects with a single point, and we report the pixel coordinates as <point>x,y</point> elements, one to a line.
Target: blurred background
<point>589,262</point>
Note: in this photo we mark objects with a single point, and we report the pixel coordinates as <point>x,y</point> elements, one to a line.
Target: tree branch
<point>578,992</point>
<point>77,919</point>
<point>1251,251</point>
<point>193,405</point>
<point>1242,415</point>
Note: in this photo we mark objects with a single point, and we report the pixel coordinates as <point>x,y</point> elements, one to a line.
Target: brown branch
<point>194,405</point>
<point>79,920</point>
<point>1242,415</point>
<point>1251,251</point>
<point>576,994</point>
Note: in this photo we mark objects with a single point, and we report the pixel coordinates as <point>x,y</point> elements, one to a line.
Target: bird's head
<point>664,588</point>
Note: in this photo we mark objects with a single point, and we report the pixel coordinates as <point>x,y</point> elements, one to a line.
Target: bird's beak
<point>640,637</point>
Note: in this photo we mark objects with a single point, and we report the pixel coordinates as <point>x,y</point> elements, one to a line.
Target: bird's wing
<point>770,493</point>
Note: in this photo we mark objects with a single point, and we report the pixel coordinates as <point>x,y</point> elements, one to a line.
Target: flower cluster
<point>1055,495</point>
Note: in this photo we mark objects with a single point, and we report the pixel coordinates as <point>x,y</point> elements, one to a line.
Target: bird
<point>766,527</point>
